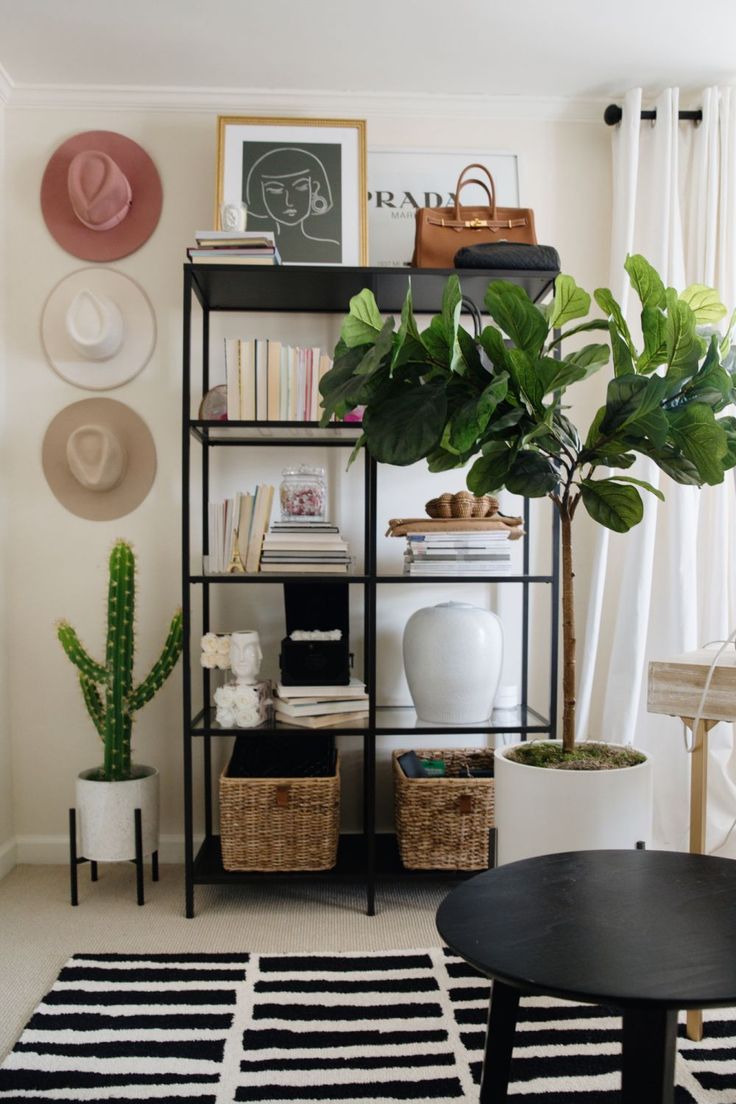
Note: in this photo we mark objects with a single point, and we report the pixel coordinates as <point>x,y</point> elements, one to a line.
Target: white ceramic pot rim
<point>512,763</point>
<point>141,772</point>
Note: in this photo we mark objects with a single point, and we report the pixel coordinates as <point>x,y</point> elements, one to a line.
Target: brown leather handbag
<point>441,231</point>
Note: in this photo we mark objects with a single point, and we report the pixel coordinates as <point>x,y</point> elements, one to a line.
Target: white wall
<point>55,565</point>
<point>7,834</point>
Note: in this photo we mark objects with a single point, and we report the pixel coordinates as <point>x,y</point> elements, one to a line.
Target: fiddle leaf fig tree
<point>498,403</point>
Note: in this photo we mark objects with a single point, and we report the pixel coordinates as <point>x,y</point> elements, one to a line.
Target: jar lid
<point>304,469</point>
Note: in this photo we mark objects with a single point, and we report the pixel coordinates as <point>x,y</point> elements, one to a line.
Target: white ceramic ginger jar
<point>453,654</point>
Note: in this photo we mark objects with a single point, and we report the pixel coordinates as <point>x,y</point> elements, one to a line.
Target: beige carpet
<point>39,929</point>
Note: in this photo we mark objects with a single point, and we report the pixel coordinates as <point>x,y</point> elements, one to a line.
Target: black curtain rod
<point>613,114</point>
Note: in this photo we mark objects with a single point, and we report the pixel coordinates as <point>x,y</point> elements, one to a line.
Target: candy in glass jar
<point>303,494</point>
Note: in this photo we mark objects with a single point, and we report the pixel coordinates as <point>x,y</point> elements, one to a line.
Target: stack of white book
<point>304,546</point>
<point>458,553</point>
<point>321,706</point>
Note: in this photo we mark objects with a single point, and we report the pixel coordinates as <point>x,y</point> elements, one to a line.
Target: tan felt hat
<point>101,195</point>
<point>98,328</point>
<point>99,458</point>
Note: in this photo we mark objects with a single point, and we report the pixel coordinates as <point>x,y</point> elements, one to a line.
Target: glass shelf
<point>336,434</point>
<point>391,720</point>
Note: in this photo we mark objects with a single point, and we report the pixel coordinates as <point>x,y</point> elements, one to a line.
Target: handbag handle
<point>490,192</point>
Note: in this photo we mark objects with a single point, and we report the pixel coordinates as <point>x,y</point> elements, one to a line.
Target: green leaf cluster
<point>499,402</point>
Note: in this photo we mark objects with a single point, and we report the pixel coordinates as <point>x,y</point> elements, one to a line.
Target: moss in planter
<point>582,757</point>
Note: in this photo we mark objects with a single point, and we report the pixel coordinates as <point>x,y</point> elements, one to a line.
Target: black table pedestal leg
<point>93,870</point>
<point>154,866</point>
<point>499,1043</point>
<point>139,855</point>
<point>73,856</point>
<point>649,1047</point>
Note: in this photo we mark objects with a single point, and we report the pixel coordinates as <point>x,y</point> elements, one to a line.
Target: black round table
<point>644,932</point>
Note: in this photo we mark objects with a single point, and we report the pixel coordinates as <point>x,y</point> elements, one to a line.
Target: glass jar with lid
<point>303,493</point>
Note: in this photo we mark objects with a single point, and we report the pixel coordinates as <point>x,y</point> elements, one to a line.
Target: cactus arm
<point>72,645</point>
<point>93,701</point>
<point>119,660</point>
<point>162,668</point>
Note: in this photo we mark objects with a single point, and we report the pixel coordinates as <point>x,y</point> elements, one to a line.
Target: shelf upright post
<point>369,740</point>
<point>185,597</point>
<point>525,616</point>
<point>554,644</point>
<point>207,739</point>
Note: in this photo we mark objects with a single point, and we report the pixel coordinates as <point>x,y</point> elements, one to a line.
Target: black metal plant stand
<point>75,859</point>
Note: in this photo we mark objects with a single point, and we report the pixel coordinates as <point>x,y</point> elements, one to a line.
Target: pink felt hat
<point>101,195</point>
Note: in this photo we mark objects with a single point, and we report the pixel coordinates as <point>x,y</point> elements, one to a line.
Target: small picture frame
<point>302,179</point>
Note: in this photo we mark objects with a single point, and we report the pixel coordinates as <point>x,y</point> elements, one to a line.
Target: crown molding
<point>6,86</point>
<point>319,103</point>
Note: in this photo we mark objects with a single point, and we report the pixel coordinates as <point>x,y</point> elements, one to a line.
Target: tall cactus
<point>107,689</point>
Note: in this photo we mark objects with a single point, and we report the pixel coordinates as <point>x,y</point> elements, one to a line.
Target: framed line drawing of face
<point>302,179</point>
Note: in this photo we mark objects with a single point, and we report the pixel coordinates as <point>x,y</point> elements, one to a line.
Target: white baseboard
<point>52,850</point>
<point>8,856</point>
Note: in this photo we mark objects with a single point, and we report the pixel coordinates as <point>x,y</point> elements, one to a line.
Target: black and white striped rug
<point>405,1026</point>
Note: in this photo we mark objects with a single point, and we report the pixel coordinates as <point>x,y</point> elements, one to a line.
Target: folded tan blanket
<point>399,527</point>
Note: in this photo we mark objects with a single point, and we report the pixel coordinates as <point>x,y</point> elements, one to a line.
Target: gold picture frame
<point>303,179</point>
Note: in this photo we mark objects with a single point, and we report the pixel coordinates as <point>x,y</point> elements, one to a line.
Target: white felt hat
<point>98,328</point>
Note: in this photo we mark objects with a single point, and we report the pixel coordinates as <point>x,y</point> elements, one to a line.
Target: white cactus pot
<point>106,814</point>
<point>452,657</point>
<point>542,812</point>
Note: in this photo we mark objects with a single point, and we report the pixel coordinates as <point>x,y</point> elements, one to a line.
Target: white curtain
<point>669,585</point>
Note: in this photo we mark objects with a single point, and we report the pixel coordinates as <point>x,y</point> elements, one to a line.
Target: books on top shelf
<point>321,706</point>
<point>267,381</point>
<point>234,247</point>
<point>305,546</point>
<point>236,526</point>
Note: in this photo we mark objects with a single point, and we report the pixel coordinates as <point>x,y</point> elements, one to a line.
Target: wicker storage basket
<point>279,823</point>
<point>443,823</point>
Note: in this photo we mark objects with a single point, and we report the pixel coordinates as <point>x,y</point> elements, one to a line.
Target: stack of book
<point>458,553</point>
<point>302,546</point>
<point>321,706</point>
<point>267,381</point>
<point>236,529</point>
<point>243,247</point>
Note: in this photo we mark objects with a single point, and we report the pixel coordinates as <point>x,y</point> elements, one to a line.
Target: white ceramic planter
<point>541,812</point>
<point>106,815</point>
<point>452,657</point>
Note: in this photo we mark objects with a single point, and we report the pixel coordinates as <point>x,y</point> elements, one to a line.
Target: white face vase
<point>245,656</point>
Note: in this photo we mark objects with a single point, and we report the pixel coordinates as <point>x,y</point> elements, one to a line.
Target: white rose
<point>223,662</point>
<point>209,642</point>
<point>247,718</point>
<point>224,696</point>
<point>223,645</point>
<point>208,660</point>
<point>226,717</point>
<point>245,697</point>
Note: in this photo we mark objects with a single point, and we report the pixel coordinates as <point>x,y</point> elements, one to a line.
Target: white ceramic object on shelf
<point>542,812</point>
<point>106,815</point>
<point>453,653</point>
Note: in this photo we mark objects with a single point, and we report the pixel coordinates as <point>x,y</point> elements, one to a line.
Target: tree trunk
<point>568,634</point>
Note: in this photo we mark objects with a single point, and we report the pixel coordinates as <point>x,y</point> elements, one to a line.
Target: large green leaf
<point>378,352</point>
<point>471,419</point>
<point>492,342</point>
<point>439,460</point>
<point>612,504</point>
<point>512,309</point>
<point>570,302</point>
<point>639,483</point>
<point>340,387</point>
<point>645,281</point>
<point>628,399</point>
<point>594,324</point>
<point>674,464</point>
<point>705,303</point>
<point>500,424</point>
<point>531,475</point>
<point>408,348</point>
<point>654,329</point>
<point>702,440</point>
<point>728,425</point>
<point>407,424</point>
<point>489,472</point>
<point>605,300</point>
<point>524,371</point>
<point>684,346</point>
<point>623,362</point>
<point>363,323</point>
<point>712,384</point>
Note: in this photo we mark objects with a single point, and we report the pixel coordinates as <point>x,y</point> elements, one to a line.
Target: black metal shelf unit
<point>323,289</point>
